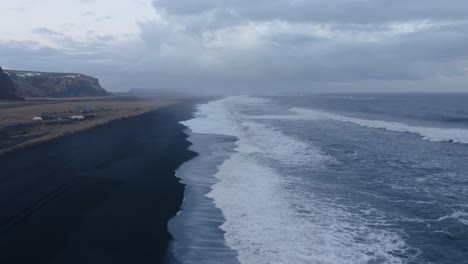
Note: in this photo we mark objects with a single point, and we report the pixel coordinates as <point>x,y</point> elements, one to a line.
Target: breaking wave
<point>453,135</point>
<point>435,134</point>
<point>270,216</point>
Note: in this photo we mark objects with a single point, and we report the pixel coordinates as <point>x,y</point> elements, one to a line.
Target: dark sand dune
<point>100,196</point>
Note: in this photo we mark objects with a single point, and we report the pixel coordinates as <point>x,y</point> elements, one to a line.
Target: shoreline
<point>196,228</point>
<point>88,197</point>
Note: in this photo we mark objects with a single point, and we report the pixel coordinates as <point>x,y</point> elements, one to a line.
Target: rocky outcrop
<point>7,88</point>
<point>43,84</point>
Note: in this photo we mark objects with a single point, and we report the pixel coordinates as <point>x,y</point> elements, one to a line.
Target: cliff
<point>7,88</point>
<point>43,84</point>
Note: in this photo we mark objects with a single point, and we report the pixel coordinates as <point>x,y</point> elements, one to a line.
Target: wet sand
<point>99,196</point>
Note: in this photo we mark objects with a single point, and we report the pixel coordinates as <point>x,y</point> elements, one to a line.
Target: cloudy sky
<point>240,46</point>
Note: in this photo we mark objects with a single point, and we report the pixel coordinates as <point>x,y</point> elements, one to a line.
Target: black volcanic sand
<point>100,196</point>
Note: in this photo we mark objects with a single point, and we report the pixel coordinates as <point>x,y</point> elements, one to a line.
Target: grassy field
<point>17,129</point>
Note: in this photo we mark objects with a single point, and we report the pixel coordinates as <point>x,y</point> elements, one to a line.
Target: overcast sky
<point>239,46</point>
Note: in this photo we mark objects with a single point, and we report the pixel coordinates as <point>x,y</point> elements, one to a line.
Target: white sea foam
<point>461,217</point>
<point>263,139</point>
<point>219,117</point>
<point>455,135</point>
<point>267,223</point>
<point>435,134</point>
<point>269,218</point>
<point>222,117</point>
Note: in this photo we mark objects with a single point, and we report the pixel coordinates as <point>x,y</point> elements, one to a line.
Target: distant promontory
<point>45,84</point>
<point>7,88</point>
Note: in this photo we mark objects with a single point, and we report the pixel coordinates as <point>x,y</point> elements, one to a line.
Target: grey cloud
<point>289,58</point>
<point>273,45</point>
<point>346,11</point>
<point>295,40</point>
<point>19,51</point>
<point>436,49</point>
<point>105,64</point>
<point>70,44</point>
<point>104,18</point>
<point>105,38</point>
<point>88,13</point>
<point>186,7</point>
<point>46,32</point>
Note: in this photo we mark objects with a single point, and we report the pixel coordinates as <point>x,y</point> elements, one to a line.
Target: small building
<point>77,117</point>
<point>37,118</point>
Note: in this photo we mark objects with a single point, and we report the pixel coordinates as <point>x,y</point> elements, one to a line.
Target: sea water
<point>326,179</point>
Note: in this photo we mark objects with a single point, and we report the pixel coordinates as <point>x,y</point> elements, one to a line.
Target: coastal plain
<point>18,129</point>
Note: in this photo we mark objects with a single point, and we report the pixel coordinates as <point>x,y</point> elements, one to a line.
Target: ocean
<point>363,178</point>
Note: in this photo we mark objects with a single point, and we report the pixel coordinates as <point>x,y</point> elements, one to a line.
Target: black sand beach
<point>100,196</point>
